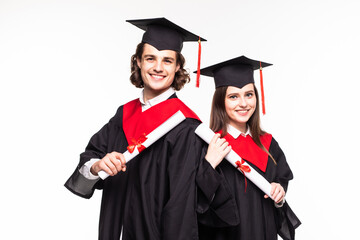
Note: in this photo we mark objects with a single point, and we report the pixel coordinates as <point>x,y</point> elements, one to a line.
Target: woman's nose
<point>242,102</point>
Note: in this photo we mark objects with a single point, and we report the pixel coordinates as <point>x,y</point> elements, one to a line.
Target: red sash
<point>247,149</point>
<point>137,123</point>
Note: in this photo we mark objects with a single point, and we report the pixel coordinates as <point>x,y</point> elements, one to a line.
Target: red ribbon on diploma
<point>243,169</point>
<point>137,143</point>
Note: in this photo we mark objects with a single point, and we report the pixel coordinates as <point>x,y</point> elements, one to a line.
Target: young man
<point>154,196</point>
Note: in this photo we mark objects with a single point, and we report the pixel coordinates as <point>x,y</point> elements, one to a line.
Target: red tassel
<point>198,66</point>
<point>262,91</point>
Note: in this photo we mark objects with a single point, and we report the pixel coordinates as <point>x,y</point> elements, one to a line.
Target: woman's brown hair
<point>219,119</point>
<point>181,76</point>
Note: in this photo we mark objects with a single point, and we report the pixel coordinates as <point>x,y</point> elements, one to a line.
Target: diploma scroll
<point>207,134</point>
<point>152,137</point>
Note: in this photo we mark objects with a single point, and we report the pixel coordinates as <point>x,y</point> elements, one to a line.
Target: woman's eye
<point>233,97</point>
<point>249,94</point>
<point>149,59</point>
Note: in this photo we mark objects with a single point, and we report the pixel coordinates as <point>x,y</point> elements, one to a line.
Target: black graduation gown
<point>259,218</point>
<point>156,197</point>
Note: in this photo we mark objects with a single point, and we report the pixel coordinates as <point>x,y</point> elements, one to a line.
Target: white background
<point>64,70</point>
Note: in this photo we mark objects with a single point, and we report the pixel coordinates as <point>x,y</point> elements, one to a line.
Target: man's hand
<point>112,164</point>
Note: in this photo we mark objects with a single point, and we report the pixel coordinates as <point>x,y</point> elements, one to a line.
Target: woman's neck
<point>242,127</point>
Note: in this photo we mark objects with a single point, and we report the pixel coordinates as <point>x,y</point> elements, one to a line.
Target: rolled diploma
<point>152,137</point>
<point>207,134</point>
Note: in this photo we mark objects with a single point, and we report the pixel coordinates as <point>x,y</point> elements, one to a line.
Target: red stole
<point>247,149</point>
<point>137,123</point>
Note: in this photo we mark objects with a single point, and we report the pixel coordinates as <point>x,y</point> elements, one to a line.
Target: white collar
<point>235,133</point>
<point>156,100</point>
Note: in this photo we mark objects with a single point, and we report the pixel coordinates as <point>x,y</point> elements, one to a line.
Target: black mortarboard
<point>236,72</point>
<point>163,34</point>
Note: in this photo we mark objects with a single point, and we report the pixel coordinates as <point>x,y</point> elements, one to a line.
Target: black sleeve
<point>216,206</point>
<point>287,220</point>
<point>96,148</point>
<point>183,151</point>
<point>283,171</point>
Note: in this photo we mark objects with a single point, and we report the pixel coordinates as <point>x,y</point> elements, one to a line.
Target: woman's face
<point>240,104</point>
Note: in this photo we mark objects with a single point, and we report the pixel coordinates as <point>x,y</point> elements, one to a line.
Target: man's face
<point>158,70</point>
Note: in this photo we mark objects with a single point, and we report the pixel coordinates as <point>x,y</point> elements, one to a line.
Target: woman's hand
<point>277,192</point>
<point>112,163</point>
<point>217,150</point>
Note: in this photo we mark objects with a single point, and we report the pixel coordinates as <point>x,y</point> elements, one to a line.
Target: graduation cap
<point>166,35</point>
<point>236,72</point>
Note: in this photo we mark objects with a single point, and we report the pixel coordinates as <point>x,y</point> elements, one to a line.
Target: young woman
<point>235,117</point>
